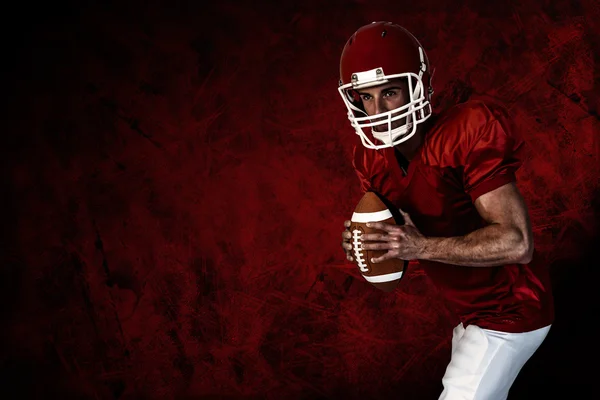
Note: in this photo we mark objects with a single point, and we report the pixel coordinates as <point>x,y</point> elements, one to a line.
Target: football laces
<point>358,254</point>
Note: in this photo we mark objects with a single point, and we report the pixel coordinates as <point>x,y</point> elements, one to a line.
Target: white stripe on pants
<point>485,363</point>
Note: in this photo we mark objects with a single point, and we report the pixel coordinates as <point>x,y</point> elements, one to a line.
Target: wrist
<point>425,248</point>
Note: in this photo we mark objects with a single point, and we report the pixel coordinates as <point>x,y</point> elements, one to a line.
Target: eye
<point>390,93</point>
<point>365,97</point>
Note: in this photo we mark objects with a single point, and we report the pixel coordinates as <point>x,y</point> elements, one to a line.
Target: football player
<point>452,175</point>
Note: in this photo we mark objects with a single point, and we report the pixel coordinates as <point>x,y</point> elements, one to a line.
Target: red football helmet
<point>375,54</point>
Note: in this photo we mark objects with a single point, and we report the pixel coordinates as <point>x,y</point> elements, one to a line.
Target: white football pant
<point>485,363</point>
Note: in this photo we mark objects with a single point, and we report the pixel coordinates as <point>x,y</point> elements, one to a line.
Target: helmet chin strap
<point>388,137</point>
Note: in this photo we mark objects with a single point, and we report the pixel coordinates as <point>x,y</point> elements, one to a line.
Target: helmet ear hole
<point>353,96</point>
<point>356,101</point>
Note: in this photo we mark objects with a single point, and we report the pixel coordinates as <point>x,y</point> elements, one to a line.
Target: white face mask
<point>391,136</point>
<point>416,111</point>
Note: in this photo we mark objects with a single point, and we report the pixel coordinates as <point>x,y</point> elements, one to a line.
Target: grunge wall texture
<point>175,177</point>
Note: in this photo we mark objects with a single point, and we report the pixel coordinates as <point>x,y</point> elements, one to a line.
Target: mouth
<point>382,122</point>
<point>383,127</point>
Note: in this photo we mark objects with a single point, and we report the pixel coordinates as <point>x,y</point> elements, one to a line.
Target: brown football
<point>384,275</point>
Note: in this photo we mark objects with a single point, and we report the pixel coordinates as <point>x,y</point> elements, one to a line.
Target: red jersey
<point>468,150</point>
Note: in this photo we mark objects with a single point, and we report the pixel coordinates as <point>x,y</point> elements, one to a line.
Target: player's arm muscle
<point>507,238</point>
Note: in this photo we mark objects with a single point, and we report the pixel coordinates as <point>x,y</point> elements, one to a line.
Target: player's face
<point>383,98</point>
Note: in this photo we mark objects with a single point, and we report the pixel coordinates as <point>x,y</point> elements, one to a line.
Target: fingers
<point>367,237</point>
<point>347,246</point>
<point>380,246</point>
<point>347,235</point>
<point>382,225</point>
<point>394,234</point>
<point>387,241</point>
<point>387,256</point>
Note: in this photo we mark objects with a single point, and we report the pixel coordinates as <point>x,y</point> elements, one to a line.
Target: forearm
<point>489,246</point>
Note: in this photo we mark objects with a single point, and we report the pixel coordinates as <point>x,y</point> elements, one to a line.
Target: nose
<point>380,106</point>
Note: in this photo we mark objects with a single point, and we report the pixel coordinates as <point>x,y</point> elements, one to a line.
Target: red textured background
<point>175,178</point>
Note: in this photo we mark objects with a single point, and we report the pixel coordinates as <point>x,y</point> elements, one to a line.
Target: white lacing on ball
<point>356,245</point>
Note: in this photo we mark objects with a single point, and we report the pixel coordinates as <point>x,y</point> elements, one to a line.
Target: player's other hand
<point>346,237</point>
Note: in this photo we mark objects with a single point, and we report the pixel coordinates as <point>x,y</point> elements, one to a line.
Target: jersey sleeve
<point>494,157</point>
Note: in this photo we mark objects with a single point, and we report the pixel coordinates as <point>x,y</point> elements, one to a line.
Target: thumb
<point>407,219</point>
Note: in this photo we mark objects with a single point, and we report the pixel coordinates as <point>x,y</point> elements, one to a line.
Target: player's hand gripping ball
<point>384,275</point>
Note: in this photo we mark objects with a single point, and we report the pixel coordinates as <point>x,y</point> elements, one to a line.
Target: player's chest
<point>434,197</point>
